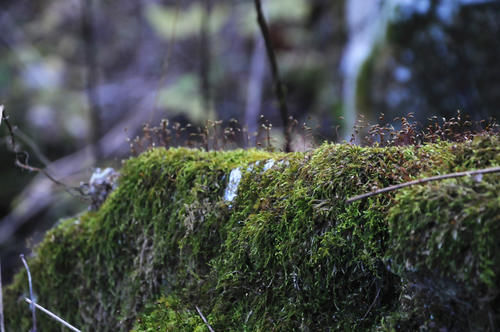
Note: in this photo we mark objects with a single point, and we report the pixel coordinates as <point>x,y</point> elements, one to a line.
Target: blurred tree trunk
<point>254,91</point>
<point>278,85</point>
<point>91,77</point>
<point>205,62</point>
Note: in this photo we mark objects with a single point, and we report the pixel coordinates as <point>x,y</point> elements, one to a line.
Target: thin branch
<point>29,142</point>
<point>37,196</point>
<point>424,180</point>
<point>2,325</point>
<point>278,85</point>
<point>204,319</point>
<point>53,316</point>
<point>69,190</point>
<point>5,118</point>
<point>33,309</point>
<point>74,191</point>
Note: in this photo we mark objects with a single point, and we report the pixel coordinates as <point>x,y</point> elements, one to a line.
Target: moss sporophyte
<point>261,241</point>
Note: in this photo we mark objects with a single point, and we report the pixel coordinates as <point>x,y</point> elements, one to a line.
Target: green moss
<point>286,254</point>
<point>169,314</point>
<point>444,241</point>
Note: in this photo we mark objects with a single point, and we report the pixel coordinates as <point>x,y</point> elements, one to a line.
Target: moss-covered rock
<point>287,253</point>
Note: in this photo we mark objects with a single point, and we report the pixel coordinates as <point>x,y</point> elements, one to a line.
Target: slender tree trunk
<point>91,77</point>
<point>278,85</point>
<point>205,59</point>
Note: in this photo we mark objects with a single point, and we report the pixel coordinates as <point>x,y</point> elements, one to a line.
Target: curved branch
<point>424,180</point>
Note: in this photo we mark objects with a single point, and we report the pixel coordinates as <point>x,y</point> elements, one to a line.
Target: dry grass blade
<point>33,309</point>
<point>204,319</point>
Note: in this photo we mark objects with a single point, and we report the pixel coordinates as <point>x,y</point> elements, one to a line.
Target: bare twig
<point>204,319</point>
<point>278,85</point>
<point>2,325</point>
<point>5,118</point>
<point>74,191</point>
<point>424,180</point>
<point>29,142</point>
<point>52,315</point>
<point>38,195</point>
<point>33,309</point>
<point>69,190</point>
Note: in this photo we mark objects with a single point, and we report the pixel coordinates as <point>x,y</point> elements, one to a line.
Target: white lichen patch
<point>284,163</point>
<point>256,164</point>
<point>268,164</point>
<point>232,186</point>
<point>100,185</point>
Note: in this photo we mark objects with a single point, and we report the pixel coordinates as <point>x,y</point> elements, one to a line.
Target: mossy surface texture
<point>287,253</point>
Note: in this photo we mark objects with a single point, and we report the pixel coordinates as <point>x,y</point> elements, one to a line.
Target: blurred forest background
<point>77,77</point>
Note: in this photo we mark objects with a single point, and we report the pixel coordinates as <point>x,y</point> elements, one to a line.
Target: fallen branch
<point>424,180</point>
<point>33,310</point>
<point>52,315</point>
<point>204,319</point>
